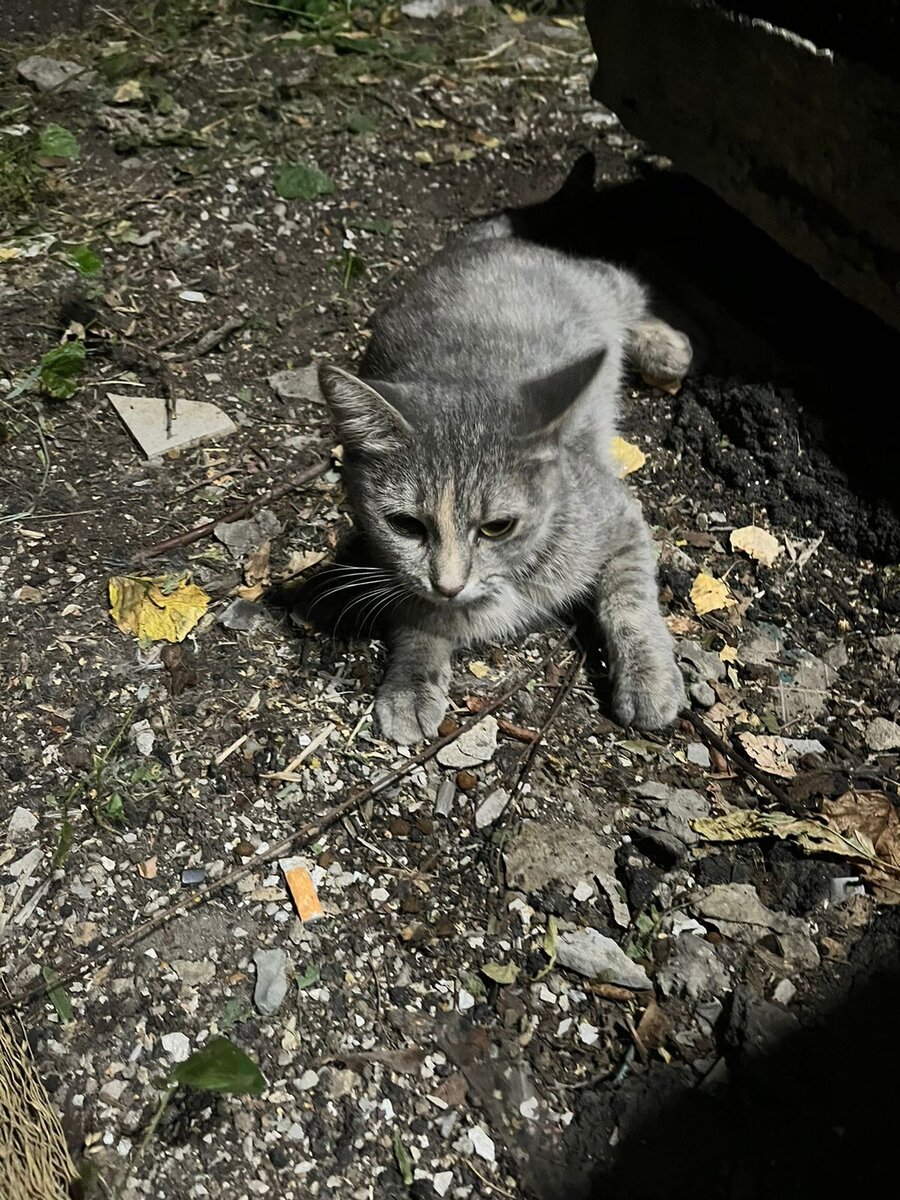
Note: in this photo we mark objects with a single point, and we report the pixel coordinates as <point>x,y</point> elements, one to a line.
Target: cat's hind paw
<point>650,696</point>
<point>407,715</point>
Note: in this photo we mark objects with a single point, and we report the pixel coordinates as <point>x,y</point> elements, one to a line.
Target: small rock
<point>466,780</point>
<point>491,808</point>
<point>177,1046</point>
<point>302,384</point>
<point>597,957</point>
<point>698,754</point>
<point>693,970</point>
<point>442,1181</point>
<point>836,656</point>
<point>444,800</point>
<point>194,973</point>
<point>423,10</point>
<point>700,665</point>
<point>540,854</point>
<point>583,891</point>
<point>756,1026</point>
<point>474,746</point>
<point>143,737</point>
<point>675,809</point>
<point>797,747</point>
<point>736,910</point>
<point>112,1091</point>
<point>784,992</point>
<point>702,694</point>
<point>192,876</point>
<point>271,980</point>
<point>888,645</point>
<point>53,74</point>
<point>844,888</point>
<point>482,1144</point>
<point>308,1080</point>
<point>243,616</point>
<point>243,537</point>
<point>21,824</point>
<point>882,734</point>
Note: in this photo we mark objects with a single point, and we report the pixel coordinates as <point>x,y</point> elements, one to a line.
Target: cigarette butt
<point>303,892</point>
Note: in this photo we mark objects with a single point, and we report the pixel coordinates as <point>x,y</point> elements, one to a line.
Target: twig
<point>712,738</point>
<point>304,835</point>
<point>201,531</point>
<point>209,341</point>
<point>562,692</point>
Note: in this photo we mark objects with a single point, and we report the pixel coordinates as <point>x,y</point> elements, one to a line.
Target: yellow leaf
<point>9,252</point>
<point>484,139</point>
<point>629,457</point>
<point>768,752</point>
<point>153,610</point>
<point>479,669</point>
<point>728,654</point>
<point>515,14</point>
<point>128,91</point>
<point>709,594</point>
<point>501,972</point>
<point>422,156</point>
<point>756,542</point>
<point>431,123</point>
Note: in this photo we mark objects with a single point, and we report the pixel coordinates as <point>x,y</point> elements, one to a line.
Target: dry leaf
<point>250,593</point>
<point>147,868</point>
<point>479,669</point>
<point>746,825</point>
<point>300,561</point>
<point>404,1062</point>
<point>767,752</point>
<point>501,972</point>
<point>709,594</point>
<point>728,654</point>
<point>756,542</point>
<point>156,609</point>
<point>256,566</point>
<point>128,91</point>
<point>629,457</point>
<point>871,815</point>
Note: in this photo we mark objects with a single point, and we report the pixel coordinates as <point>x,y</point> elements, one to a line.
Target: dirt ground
<point>437,1036</point>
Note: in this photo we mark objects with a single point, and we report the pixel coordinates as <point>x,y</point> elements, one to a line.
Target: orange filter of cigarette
<point>302,889</point>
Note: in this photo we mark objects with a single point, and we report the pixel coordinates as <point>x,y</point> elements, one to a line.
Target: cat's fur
<point>491,392</point>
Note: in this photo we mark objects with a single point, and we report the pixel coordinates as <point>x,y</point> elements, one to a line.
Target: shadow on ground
<point>789,1111</point>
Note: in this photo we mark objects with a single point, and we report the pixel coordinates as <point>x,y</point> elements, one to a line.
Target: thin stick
<point>209,341</point>
<point>305,835</point>
<point>201,531</point>
<point>562,692</point>
<point>712,738</point>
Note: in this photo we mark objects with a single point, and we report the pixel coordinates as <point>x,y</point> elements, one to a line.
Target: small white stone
<point>583,891</point>
<point>529,1108</point>
<point>308,1081</point>
<point>784,992</point>
<point>563,1027</point>
<point>464,1000</point>
<point>481,1143</point>
<point>441,1182</point>
<point>21,823</point>
<point>379,895</point>
<point>192,297</point>
<point>176,1045</point>
<point>588,1033</point>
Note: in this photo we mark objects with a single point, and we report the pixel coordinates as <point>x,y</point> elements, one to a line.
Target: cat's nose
<point>449,587</point>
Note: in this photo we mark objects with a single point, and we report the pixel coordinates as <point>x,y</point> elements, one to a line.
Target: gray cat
<point>478,463</point>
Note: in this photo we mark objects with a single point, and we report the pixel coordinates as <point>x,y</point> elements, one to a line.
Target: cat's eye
<point>407,526</point>
<point>500,528</point>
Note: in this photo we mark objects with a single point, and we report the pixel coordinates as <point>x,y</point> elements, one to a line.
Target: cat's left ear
<point>366,419</point>
<point>551,400</point>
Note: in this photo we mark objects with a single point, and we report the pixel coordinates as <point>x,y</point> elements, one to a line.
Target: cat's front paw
<point>661,354</point>
<point>649,694</point>
<point>408,715</point>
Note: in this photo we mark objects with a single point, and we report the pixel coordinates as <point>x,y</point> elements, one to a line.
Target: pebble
<point>53,74</point>
<point>191,876</point>
<point>192,973</point>
<point>482,1144</point>
<point>882,734</point>
<point>703,695</point>
<point>302,384</point>
<point>21,823</point>
<point>442,1181</point>
<point>477,745</point>
<point>177,1046</point>
<point>583,891</point>
<point>271,980</point>
<point>308,1080</point>
<point>491,808</point>
<point>784,992</point>
<point>243,616</point>
<point>143,737</point>
<point>698,754</point>
<point>446,794</point>
<point>592,954</point>
<point>693,970</point>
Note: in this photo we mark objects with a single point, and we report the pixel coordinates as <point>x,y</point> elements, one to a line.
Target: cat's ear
<point>366,419</point>
<point>550,401</point>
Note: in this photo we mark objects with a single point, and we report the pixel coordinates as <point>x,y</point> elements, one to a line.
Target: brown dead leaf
<point>405,1062</point>
<point>653,1027</point>
<point>300,561</point>
<point>767,752</point>
<point>179,664</point>
<point>256,565</point>
<point>147,868</point>
<point>758,543</point>
<point>873,816</point>
<point>452,1091</point>
<point>519,732</point>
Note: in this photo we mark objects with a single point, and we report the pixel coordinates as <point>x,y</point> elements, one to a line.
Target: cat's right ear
<point>365,419</point>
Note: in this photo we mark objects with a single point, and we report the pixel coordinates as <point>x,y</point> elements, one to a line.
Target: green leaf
<point>63,845</point>
<point>220,1067</point>
<point>549,948</point>
<point>308,978</point>
<point>295,181</point>
<point>358,122</point>
<point>84,259</point>
<point>404,1162</point>
<point>501,972</point>
<point>60,369</point>
<point>58,996</point>
<point>372,225</point>
<point>57,142</point>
